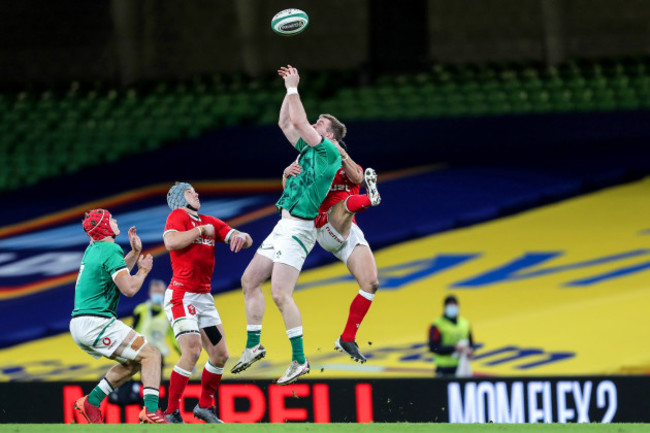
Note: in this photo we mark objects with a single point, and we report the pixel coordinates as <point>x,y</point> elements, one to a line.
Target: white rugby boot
<point>248,358</point>
<point>370,177</point>
<point>294,371</point>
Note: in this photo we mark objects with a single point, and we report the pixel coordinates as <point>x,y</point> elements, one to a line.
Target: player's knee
<point>371,286</point>
<point>248,283</point>
<point>150,353</point>
<point>192,353</point>
<point>221,357</point>
<point>132,366</point>
<point>280,297</point>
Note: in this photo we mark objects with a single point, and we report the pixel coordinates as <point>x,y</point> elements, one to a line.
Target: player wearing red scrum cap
<point>105,273</point>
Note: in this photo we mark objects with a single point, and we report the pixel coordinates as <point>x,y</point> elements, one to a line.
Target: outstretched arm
<point>284,122</point>
<point>297,114</point>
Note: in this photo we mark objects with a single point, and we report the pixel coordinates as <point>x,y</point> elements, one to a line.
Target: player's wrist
<point>292,90</point>
<point>200,230</point>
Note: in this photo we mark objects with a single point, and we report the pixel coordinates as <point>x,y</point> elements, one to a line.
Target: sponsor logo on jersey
<point>204,241</point>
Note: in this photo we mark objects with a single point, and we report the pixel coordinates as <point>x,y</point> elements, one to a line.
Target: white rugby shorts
<point>290,242</point>
<point>331,240</point>
<point>188,312</point>
<point>101,336</point>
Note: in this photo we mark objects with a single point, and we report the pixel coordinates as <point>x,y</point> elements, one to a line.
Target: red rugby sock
<point>210,379</point>
<point>357,203</point>
<point>358,310</point>
<point>177,384</point>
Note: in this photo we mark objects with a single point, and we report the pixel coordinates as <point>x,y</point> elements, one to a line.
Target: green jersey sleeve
<point>329,152</point>
<point>300,145</point>
<point>114,261</point>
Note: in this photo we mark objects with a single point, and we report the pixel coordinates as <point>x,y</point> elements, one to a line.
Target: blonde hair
<point>337,128</point>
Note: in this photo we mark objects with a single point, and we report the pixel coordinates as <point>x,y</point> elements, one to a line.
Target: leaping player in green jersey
<point>284,251</point>
<point>105,273</point>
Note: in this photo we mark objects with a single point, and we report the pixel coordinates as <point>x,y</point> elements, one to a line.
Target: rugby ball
<point>289,22</point>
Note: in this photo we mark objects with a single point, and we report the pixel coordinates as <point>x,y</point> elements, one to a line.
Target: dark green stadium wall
<point>123,41</point>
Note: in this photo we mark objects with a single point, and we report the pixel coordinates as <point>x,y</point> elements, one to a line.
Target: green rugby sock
<point>99,393</point>
<point>254,334</point>
<point>151,402</point>
<point>96,396</point>
<point>298,353</point>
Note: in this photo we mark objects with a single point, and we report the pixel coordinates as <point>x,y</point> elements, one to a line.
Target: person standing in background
<point>149,319</point>
<point>450,339</point>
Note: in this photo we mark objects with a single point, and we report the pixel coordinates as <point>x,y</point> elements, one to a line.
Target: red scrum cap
<point>96,224</point>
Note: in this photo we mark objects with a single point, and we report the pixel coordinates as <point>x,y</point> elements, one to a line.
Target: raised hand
<point>135,241</point>
<point>290,75</point>
<point>238,241</point>
<point>145,263</point>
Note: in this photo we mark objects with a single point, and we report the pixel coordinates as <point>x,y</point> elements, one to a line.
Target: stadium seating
<point>51,132</point>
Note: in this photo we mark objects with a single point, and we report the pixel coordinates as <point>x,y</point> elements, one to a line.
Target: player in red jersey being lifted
<point>190,238</point>
<point>338,233</point>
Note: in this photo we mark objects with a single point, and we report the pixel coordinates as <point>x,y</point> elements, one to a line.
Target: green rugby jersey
<point>303,194</point>
<point>95,291</point>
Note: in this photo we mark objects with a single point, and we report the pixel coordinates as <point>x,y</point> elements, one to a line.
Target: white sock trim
<point>253,327</point>
<point>182,372</point>
<point>295,332</point>
<point>346,205</point>
<point>368,296</point>
<point>212,369</point>
<point>105,386</point>
<point>150,391</point>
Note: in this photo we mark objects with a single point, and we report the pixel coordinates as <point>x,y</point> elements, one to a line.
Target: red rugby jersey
<point>192,266</point>
<point>340,189</point>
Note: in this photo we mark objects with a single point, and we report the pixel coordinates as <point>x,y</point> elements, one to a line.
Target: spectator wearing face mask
<point>450,339</point>
<point>149,320</point>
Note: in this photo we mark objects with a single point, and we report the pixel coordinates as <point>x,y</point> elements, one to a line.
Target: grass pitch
<point>333,428</point>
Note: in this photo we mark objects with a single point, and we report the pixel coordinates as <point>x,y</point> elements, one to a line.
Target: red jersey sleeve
<point>221,229</point>
<point>176,221</point>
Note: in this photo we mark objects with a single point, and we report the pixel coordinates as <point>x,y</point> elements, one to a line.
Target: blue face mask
<point>157,298</point>
<point>451,310</point>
